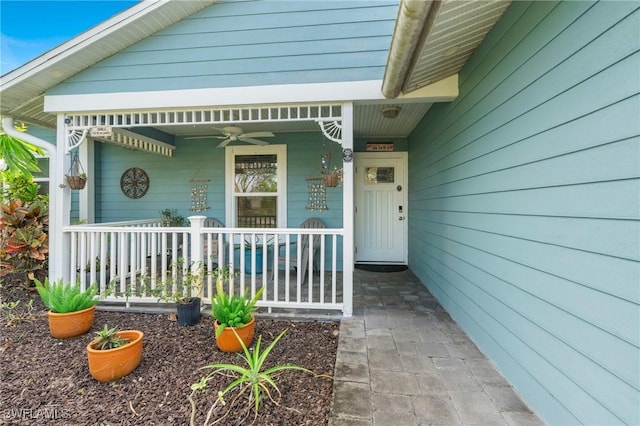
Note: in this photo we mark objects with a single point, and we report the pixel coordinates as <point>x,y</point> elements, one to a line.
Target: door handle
<point>401,218</point>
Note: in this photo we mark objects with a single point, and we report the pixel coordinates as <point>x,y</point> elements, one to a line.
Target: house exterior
<point>512,190</point>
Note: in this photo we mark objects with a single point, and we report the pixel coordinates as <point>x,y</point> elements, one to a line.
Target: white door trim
<point>404,156</point>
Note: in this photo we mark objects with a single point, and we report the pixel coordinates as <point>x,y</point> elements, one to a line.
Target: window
<point>42,177</point>
<point>256,186</point>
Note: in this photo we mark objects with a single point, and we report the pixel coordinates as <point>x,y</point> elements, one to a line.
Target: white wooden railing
<point>130,260</point>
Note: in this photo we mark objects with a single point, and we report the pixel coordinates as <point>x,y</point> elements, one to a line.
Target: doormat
<point>381,268</point>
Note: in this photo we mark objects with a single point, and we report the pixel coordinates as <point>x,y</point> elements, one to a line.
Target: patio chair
<point>212,222</point>
<point>303,244</point>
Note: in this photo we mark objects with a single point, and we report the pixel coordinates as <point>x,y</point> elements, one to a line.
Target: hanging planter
<point>331,176</point>
<point>331,179</point>
<point>77,178</point>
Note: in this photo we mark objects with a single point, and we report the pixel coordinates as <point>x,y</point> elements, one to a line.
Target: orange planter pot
<point>228,342</point>
<point>71,324</point>
<point>113,364</point>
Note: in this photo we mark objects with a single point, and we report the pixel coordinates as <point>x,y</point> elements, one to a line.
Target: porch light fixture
<point>390,112</point>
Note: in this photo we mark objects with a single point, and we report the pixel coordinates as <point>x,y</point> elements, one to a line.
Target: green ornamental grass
<point>62,298</point>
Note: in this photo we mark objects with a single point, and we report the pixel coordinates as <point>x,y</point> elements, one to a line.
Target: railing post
<point>197,255</point>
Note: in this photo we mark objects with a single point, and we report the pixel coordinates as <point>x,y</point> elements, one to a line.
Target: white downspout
<point>55,227</point>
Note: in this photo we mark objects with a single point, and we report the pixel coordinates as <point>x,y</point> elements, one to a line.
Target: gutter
<point>51,149</point>
<point>407,34</point>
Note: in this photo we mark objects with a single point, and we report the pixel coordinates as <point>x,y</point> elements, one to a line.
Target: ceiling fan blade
<point>200,137</point>
<point>224,143</point>
<point>258,135</point>
<point>244,138</point>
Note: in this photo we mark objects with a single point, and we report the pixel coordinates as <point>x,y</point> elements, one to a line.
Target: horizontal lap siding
<point>170,187</point>
<point>525,204</point>
<point>252,43</point>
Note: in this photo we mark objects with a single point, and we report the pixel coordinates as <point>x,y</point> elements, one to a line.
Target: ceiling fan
<point>235,134</point>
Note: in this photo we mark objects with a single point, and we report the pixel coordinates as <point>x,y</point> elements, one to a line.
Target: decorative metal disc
<point>134,182</point>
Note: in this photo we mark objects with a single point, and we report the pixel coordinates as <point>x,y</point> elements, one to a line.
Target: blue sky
<point>30,28</point>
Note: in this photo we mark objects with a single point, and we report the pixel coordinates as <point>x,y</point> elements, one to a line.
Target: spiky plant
<point>62,298</point>
<point>234,310</point>
<point>252,377</point>
<point>108,338</point>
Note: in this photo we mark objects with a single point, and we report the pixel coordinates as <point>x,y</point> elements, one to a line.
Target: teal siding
<point>525,202</point>
<point>170,187</point>
<point>252,43</point>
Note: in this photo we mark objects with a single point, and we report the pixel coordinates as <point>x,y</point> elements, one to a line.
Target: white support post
<point>59,209</point>
<point>347,208</point>
<point>86,196</point>
<point>197,245</point>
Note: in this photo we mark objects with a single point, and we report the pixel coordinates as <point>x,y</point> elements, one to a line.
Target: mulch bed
<point>47,381</point>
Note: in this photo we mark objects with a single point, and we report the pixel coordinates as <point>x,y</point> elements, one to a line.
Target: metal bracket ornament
<point>332,130</point>
<point>75,138</point>
<point>347,155</point>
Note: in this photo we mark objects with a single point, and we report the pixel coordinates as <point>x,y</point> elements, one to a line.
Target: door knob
<point>401,218</point>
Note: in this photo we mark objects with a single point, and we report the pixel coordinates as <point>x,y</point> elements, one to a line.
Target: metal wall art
<point>199,188</point>
<point>316,194</point>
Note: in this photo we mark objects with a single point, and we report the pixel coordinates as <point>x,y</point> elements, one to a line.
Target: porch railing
<point>129,261</point>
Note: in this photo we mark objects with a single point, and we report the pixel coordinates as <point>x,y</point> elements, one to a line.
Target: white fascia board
<point>367,90</point>
<point>213,97</point>
<point>76,44</point>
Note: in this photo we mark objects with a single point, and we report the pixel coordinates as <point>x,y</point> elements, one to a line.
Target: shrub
<point>24,244</point>
<point>62,298</point>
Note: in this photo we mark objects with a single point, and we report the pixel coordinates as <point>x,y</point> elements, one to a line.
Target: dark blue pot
<point>189,313</point>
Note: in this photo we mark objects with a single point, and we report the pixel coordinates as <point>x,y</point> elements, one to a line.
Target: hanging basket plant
<point>331,179</point>
<point>331,174</point>
<point>77,178</point>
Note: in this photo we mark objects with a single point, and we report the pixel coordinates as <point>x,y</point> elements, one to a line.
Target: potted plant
<point>71,310</point>
<point>186,295</point>
<point>113,354</point>
<point>170,217</point>
<point>233,313</point>
<point>77,181</point>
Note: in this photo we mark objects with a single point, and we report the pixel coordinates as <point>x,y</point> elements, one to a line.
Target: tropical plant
<point>17,186</point>
<point>108,338</point>
<point>63,298</point>
<point>170,217</point>
<point>24,244</point>
<point>253,378</point>
<point>231,310</point>
<point>19,156</point>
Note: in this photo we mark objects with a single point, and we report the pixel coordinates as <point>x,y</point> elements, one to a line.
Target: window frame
<point>280,151</point>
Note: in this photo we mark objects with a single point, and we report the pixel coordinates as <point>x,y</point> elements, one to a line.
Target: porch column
<point>347,208</point>
<point>197,252</point>
<point>87,195</point>
<point>59,208</point>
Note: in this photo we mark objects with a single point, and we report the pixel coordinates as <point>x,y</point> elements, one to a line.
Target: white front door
<point>381,207</point>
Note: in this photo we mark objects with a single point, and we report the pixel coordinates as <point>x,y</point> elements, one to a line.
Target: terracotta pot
<point>228,342</point>
<point>71,324</point>
<point>113,364</point>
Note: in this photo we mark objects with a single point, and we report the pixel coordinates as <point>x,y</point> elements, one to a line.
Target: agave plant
<point>252,378</point>
<point>108,338</point>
